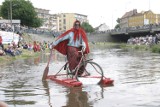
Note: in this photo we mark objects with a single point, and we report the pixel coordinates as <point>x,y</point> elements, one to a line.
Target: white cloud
<point>98,11</point>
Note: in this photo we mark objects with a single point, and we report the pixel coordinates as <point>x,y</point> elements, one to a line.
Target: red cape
<point>62,46</point>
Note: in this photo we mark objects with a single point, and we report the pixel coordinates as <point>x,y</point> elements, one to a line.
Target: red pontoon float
<point>72,82</point>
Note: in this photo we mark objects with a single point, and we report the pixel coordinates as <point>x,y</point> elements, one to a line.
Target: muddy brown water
<point>136,82</point>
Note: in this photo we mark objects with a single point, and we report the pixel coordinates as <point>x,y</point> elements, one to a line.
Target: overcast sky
<point>98,11</point>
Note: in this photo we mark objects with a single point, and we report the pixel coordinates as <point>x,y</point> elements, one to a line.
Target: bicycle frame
<point>82,60</point>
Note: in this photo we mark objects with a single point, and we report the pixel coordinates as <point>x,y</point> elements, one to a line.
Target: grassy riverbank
<point>25,54</point>
<point>153,48</point>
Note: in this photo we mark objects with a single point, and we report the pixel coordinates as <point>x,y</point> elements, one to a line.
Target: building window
<point>64,21</point>
<point>64,15</point>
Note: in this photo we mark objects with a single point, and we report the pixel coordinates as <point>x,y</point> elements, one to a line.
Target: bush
<point>155,49</point>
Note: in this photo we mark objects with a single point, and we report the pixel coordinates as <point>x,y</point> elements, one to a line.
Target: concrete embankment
<point>41,38</point>
<point>101,37</point>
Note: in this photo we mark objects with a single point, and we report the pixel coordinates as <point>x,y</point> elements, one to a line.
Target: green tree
<point>118,23</point>
<point>87,27</point>
<point>22,10</point>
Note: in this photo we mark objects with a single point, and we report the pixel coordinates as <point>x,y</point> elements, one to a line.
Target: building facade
<point>59,22</point>
<point>144,18</point>
<point>102,28</point>
<point>124,20</point>
<point>65,20</point>
<point>49,20</point>
<point>136,20</point>
<point>132,18</point>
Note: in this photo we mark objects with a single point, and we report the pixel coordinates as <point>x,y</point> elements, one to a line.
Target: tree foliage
<point>22,10</point>
<point>87,27</point>
<point>118,23</point>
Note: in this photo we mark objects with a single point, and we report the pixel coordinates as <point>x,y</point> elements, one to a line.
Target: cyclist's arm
<point>83,46</point>
<point>61,39</point>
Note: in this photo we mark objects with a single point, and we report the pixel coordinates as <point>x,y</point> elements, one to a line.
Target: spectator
<point>1,44</point>
<point>9,50</point>
<point>35,46</point>
<point>2,52</point>
<point>30,47</point>
<point>25,46</point>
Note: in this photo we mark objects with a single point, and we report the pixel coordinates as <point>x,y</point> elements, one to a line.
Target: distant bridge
<point>122,35</point>
<point>125,33</point>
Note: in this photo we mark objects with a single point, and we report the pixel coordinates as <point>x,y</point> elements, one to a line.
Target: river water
<point>136,82</point>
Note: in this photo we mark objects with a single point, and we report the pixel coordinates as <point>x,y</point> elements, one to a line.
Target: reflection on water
<point>77,98</point>
<point>136,75</point>
<point>85,96</point>
<point>46,88</point>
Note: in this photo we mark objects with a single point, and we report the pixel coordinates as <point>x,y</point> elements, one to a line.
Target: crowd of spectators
<point>6,27</point>
<point>147,40</point>
<point>13,49</point>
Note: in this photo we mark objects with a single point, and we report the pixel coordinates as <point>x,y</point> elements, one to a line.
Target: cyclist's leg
<point>82,68</point>
<point>73,58</point>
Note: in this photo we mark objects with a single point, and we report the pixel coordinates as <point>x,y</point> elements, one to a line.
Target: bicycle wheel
<point>92,74</point>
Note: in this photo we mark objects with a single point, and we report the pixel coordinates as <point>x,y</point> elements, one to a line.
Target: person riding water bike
<point>70,43</point>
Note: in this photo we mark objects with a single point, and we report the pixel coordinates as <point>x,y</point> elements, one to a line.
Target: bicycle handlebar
<point>81,51</point>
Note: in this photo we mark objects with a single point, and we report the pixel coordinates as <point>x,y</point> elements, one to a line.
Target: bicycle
<point>91,70</point>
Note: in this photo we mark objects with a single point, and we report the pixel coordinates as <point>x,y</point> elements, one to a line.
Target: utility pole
<point>149,4</point>
<point>112,20</point>
<point>11,12</point>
